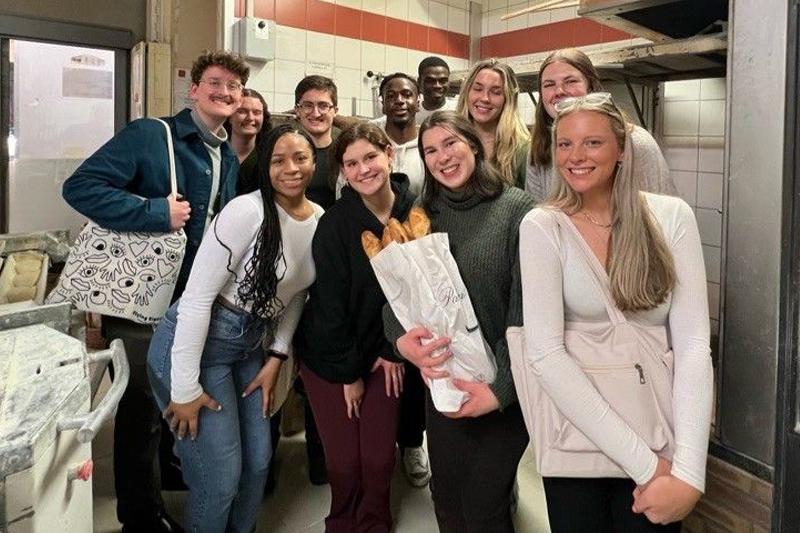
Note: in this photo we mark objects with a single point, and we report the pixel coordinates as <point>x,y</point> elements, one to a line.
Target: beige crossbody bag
<point>630,365</point>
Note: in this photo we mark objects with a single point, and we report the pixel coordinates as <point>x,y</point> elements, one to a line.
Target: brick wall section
<point>735,502</point>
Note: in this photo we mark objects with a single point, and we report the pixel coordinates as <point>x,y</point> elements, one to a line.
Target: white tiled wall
<point>494,9</point>
<point>693,141</point>
<point>350,59</point>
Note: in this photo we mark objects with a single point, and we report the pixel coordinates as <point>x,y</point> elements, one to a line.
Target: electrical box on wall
<point>257,38</point>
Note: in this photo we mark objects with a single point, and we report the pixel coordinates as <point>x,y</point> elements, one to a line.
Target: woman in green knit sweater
<point>474,452</point>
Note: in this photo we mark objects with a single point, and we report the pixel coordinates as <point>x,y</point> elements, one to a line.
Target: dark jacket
<point>342,327</point>
<point>110,185</point>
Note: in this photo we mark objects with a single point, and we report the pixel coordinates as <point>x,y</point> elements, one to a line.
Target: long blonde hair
<point>641,268</point>
<point>511,133</point>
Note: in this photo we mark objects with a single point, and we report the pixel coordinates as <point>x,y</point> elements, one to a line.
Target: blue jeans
<point>226,467</point>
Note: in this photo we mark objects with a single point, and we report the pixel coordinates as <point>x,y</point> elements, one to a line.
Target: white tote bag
<point>129,275</point>
<point>630,365</point>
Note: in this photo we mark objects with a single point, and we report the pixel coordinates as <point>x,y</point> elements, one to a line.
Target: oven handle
<point>89,423</point>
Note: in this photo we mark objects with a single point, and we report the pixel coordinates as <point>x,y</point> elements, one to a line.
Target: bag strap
<point>173,180</point>
<point>599,275</point>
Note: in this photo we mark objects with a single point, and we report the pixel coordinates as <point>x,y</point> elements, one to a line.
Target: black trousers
<point>601,505</point>
<point>412,409</point>
<point>137,430</point>
<point>314,449</point>
<point>474,463</point>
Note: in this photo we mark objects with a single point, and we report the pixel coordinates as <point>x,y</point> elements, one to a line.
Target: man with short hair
<point>315,101</point>
<point>125,186</point>
<point>400,100</point>
<point>434,76</point>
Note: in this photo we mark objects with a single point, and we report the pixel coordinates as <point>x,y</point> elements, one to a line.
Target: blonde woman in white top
<point>649,247</point>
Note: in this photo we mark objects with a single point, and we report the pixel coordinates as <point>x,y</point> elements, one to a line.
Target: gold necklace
<point>594,222</point>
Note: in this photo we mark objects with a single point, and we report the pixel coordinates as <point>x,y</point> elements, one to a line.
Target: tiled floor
<point>296,506</point>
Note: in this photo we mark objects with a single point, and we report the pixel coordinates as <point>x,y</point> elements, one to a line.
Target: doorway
<point>61,98</point>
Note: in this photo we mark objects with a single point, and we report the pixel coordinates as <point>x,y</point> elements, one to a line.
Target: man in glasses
<point>125,186</point>
<point>315,101</point>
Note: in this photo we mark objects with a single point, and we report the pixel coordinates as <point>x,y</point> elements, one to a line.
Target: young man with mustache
<point>124,186</point>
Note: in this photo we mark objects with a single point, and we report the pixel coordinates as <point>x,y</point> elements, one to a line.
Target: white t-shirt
<point>557,285</point>
<point>237,226</point>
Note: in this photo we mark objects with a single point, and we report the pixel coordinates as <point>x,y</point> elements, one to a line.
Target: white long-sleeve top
<point>558,285</point>
<point>237,227</point>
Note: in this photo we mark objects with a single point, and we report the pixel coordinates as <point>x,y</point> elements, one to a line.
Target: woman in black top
<point>349,369</point>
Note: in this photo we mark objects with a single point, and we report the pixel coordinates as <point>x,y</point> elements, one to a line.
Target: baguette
<point>372,246</point>
<point>397,231</point>
<point>387,237</point>
<point>407,227</point>
<point>419,222</point>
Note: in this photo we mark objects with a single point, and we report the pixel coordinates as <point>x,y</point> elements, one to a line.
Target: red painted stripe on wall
<point>324,17</point>
<point>564,34</point>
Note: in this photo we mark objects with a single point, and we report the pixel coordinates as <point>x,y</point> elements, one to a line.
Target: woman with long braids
<point>205,362</point>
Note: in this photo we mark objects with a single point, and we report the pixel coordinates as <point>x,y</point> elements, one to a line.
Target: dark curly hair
<point>220,58</point>
<point>260,283</point>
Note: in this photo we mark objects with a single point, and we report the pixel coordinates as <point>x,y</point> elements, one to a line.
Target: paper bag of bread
<point>422,284</point>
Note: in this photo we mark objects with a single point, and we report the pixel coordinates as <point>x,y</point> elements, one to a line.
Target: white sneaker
<point>415,467</point>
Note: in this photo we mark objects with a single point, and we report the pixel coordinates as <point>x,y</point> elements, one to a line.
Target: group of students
<point>282,265</point>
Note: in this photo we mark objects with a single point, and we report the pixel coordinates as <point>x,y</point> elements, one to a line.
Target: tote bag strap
<point>173,180</point>
<point>599,275</point>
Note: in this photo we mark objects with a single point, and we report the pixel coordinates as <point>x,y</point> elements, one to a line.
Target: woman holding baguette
<point>352,377</point>
<point>475,451</point>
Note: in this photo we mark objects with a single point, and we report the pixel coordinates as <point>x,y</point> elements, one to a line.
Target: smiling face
<point>291,166</point>
<point>449,157</point>
<point>316,111</point>
<point>400,102</point>
<point>218,95</point>
<point>433,83</point>
<point>561,80</point>
<point>587,151</point>
<point>249,118</point>
<point>366,167</point>
<point>486,97</point>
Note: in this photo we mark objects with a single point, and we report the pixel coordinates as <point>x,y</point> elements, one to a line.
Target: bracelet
<point>277,355</point>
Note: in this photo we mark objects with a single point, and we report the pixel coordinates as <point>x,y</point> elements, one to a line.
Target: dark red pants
<point>359,453</point>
